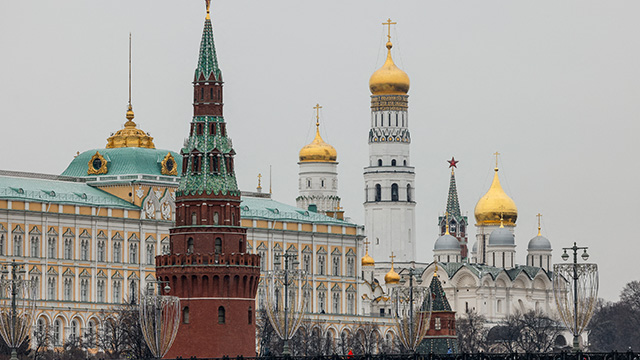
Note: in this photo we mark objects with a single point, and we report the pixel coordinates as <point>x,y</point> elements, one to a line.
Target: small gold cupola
<point>392,277</point>
<point>496,207</point>
<point>367,260</point>
<point>318,150</point>
<point>389,79</point>
<point>130,135</point>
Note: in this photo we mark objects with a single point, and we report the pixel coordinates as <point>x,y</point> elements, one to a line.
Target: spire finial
<point>446,214</point>
<point>435,272</point>
<point>208,2</point>
<point>366,243</point>
<point>453,163</point>
<point>388,23</point>
<point>317,108</point>
<point>539,216</point>
<point>392,257</point>
<point>501,220</point>
<point>496,154</point>
<point>130,115</point>
<point>259,188</point>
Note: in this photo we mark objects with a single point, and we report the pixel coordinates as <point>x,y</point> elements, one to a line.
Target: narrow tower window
<point>250,316</point>
<point>218,246</point>
<point>394,192</point>
<point>221,315</point>
<point>378,192</point>
<point>396,119</point>
<point>190,246</point>
<point>379,162</point>
<point>393,162</point>
<point>194,218</point>
<point>185,315</point>
<point>201,94</point>
<point>408,192</point>
<point>211,93</point>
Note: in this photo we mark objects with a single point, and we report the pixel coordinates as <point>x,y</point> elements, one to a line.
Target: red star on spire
<point>453,162</point>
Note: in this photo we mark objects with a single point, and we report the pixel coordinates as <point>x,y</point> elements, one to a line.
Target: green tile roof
<point>268,209</point>
<point>123,161</point>
<point>58,191</point>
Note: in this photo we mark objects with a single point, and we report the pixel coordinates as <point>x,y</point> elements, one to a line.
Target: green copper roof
<point>199,148</point>
<point>58,192</point>
<point>267,209</point>
<point>207,61</point>
<point>453,206</point>
<point>440,302</point>
<point>124,161</point>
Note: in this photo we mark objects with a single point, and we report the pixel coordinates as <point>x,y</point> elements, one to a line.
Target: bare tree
<point>41,341</point>
<point>472,332</point>
<point>533,331</point>
<point>120,334</point>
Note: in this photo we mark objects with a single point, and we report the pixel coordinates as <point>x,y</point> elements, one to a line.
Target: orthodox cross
<point>496,154</point>
<point>392,257</point>
<point>317,108</point>
<point>539,216</point>
<point>388,24</point>
<point>338,208</point>
<point>259,178</point>
<point>366,243</point>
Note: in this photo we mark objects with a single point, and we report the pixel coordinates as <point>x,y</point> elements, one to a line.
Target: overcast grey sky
<point>552,85</point>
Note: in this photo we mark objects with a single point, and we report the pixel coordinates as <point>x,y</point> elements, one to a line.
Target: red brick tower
<point>441,337</point>
<point>208,268</point>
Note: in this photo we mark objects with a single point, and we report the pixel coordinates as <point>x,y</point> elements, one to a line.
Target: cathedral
<point>126,214</point>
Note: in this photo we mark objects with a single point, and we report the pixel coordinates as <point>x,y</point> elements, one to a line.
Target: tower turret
<point>208,267</point>
<point>389,178</point>
<point>539,250</point>
<point>456,222</point>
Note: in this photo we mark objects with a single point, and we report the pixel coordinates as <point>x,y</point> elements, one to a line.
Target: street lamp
<point>575,288</point>
<point>159,318</point>
<point>412,310</point>
<point>17,304</point>
<point>286,286</point>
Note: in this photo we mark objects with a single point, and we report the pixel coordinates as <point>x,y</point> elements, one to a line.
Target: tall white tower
<point>318,176</point>
<point>389,179</point>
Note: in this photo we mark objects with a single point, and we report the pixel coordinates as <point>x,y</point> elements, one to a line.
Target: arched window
<point>221,315</point>
<point>216,166</point>
<point>190,246</point>
<point>408,192</point>
<point>394,192</point>
<point>211,93</point>
<point>201,94</point>
<point>185,315</point>
<point>194,218</point>
<point>57,328</point>
<point>379,162</point>
<point>378,192</point>
<point>250,316</point>
<point>215,218</point>
<point>218,246</point>
<point>393,162</point>
<point>404,162</point>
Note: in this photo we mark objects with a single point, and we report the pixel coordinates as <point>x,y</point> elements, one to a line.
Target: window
<point>393,162</point>
<point>215,218</point>
<point>17,245</point>
<point>68,249</point>
<point>335,302</point>
<point>250,316</point>
<point>35,246</point>
<point>396,119</point>
<point>185,315</point>
<point>101,252</point>
<point>133,291</point>
<point>408,192</point>
<point>321,260</point>
<point>84,250</point>
<point>379,162</point>
<point>100,292</point>
<point>351,303</point>
<point>404,162</point>
<point>117,294</point>
<point>322,297</point>
<point>308,183</point>
<point>74,330</point>
<point>151,254</point>
<point>438,324</point>
<point>211,93</point>
<point>51,248</point>
<point>394,192</point>
<point>221,315</point>
<point>351,268</point>
<point>263,259</point>
<point>84,290</point>
<point>117,251</point>
<point>306,262</point>
<point>36,286</point>
<point>307,301</point>
<point>1,244</point>
<point>57,328</point>
<point>51,288</point>
<point>218,246</point>
<point>68,286</point>
<point>499,306</point>
<point>133,253</point>
<point>90,334</point>
<point>322,183</point>
<point>378,192</point>
<point>336,265</point>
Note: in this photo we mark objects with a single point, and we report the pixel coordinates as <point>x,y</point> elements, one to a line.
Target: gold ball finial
<point>208,3</point>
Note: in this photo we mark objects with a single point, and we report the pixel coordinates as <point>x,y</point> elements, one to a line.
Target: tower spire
<point>453,205</point>
<point>130,116</point>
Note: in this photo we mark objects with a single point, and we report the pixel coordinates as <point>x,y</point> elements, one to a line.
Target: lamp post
<point>17,306</point>
<point>575,288</point>
<point>159,318</point>
<point>412,310</point>
<point>287,320</point>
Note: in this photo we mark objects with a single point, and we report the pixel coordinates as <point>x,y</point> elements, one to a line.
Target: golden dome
<point>318,150</point>
<point>367,260</point>
<point>494,205</point>
<point>389,79</point>
<point>130,136</point>
<point>392,277</point>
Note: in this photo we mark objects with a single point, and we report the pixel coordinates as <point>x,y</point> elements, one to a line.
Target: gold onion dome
<point>318,150</point>
<point>392,277</point>
<point>130,136</point>
<point>367,260</point>
<point>389,79</point>
<point>494,205</point>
